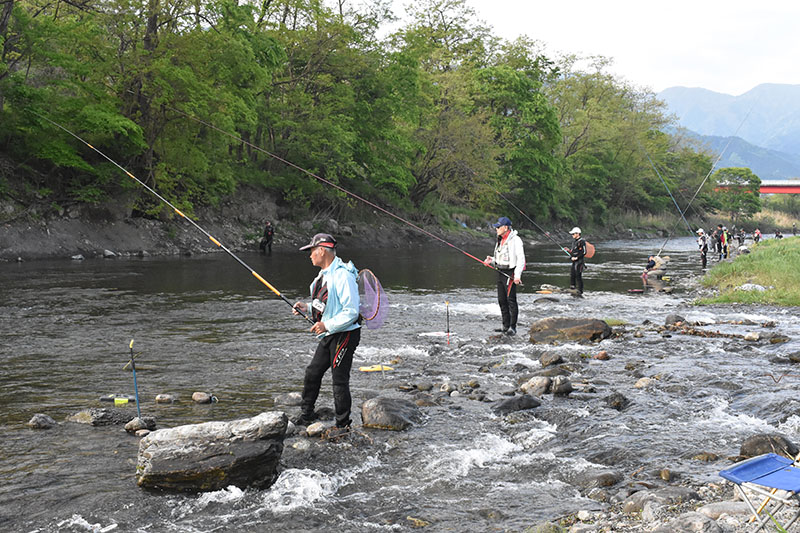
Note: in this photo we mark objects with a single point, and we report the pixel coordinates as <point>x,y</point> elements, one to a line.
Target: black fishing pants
<point>507,297</point>
<point>576,276</point>
<point>335,352</point>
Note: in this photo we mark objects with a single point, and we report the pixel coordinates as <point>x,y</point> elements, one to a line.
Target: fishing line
<point>178,211</point>
<point>730,140</point>
<point>335,186</point>
<point>521,212</point>
<point>667,188</point>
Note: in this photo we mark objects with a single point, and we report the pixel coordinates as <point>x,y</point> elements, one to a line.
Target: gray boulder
<point>673,319</point>
<point>536,386</point>
<point>767,443</point>
<point>617,401</point>
<point>716,509</point>
<point>395,414</point>
<point>41,421</point>
<point>690,522</point>
<point>288,399</point>
<point>213,455</point>
<point>560,329</point>
<point>102,417</point>
<point>550,358</point>
<point>663,496</point>
<point>517,403</point>
<point>561,386</point>
<point>137,424</point>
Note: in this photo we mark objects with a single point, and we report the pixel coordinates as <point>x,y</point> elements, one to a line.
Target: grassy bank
<point>772,264</point>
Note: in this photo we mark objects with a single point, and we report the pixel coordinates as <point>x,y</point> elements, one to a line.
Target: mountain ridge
<point>765,120</point>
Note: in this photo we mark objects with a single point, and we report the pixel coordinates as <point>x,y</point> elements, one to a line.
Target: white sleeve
<point>519,258</point>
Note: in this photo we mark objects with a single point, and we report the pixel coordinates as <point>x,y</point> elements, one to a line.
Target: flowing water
<point>203,324</point>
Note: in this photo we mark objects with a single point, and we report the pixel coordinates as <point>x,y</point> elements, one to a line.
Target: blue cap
<point>502,221</point>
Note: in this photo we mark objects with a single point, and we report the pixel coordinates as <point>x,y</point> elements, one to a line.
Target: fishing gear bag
<point>589,250</point>
<point>374,305</point>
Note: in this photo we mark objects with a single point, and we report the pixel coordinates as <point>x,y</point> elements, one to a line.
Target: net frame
<point>373,302</point>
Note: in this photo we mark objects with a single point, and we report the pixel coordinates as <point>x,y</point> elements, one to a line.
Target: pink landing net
<point>374,303</point>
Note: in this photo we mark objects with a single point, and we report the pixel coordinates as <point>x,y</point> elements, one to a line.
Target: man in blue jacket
<point>334,310</point>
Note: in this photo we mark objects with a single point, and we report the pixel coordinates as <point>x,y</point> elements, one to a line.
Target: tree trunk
<point>5,16</point>
<point>150,43</point>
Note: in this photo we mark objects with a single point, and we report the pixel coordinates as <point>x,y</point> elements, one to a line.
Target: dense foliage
<point>440,112</point>
<point>737,192</point>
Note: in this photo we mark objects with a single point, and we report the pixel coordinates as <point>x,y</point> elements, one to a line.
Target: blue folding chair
<point>768,471</point>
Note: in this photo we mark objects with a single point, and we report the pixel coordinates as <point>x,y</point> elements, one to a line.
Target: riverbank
<point>94,231</point>
<point>767,275</point>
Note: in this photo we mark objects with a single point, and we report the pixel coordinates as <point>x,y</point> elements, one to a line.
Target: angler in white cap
<point>702,244</point>
<point>577,253</point>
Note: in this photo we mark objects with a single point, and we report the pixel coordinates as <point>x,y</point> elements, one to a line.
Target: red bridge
<point>780,186</point>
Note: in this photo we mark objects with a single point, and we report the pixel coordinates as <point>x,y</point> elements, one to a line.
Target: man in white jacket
<point>509,260</point>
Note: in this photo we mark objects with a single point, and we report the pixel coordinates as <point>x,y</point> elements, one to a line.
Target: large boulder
<point>394,414</point>
<point>213,455</point>
<point>768,443</point>
<point>517,403</point>
<point>560,329</point>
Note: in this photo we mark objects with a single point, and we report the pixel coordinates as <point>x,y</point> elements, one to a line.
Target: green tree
<point>737,192</point>
<point>605,124</point>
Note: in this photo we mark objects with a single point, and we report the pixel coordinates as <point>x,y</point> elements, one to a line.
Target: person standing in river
<point>702,244</point>
<point>509,260</point>
<point>334,310</point>
<point>577,254</point>
<point>266,240</point>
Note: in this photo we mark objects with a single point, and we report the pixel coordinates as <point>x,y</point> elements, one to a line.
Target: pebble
<point>317,428</point>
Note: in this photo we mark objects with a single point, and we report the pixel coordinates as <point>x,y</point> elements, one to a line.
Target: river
<point>203,323</point>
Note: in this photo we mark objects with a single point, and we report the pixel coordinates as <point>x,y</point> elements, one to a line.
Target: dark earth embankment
<point>29,232</point>
<point>237,223</point>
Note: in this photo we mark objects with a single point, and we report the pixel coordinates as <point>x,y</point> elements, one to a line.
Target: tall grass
<point>772,264</point>
<point>660,221</point>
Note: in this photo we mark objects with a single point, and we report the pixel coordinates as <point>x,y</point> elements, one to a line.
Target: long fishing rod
<point>730,140</point>
<point>688,227</point>
<point>521,212</point>
<point>334,185</point>
<point>178,211</point>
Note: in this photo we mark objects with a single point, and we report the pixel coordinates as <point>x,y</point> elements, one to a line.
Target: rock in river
<point>517,403</point>
<point>560,329</point>
<point>766,443</point>
<point>41,421</point>
<point>213,455</point>
<point>102,417</point>
<point>389,413</point>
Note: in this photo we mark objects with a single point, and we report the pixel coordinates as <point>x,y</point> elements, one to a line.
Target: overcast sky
<point>725,46</point>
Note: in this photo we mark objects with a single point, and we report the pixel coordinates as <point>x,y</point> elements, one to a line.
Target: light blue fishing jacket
<point>341,311</point>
